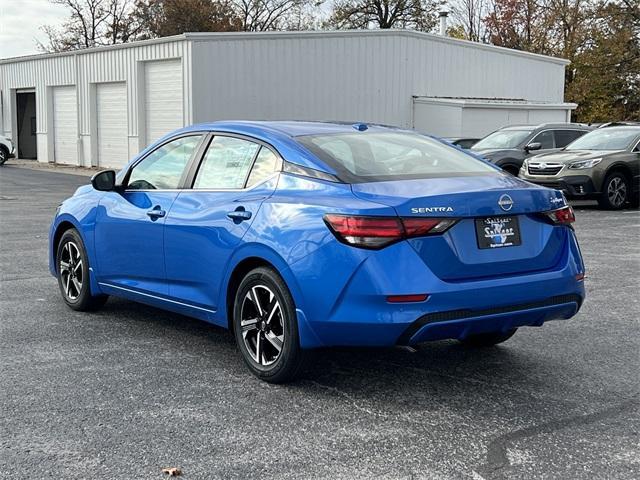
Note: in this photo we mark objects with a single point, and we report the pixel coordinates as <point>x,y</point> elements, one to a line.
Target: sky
<point>20,22</point>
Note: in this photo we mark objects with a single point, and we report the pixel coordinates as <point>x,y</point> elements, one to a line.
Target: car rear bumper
<point>358,313</point>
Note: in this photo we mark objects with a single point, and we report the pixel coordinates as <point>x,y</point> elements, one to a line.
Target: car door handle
<point>239,215</point>
<point>156,213</point>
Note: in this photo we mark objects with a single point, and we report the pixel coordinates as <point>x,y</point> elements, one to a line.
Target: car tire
<point>490,339</point>
<point>72,267</point>
<point>266,328</point>
<point>4,155</point>
<point>513,170</point>
<point>615,191</point>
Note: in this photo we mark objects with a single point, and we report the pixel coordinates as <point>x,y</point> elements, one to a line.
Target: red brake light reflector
<point>407,298</point>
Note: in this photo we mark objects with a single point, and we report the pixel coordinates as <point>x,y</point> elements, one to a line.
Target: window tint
<point>545,139</point>
<point>375,156</point>
<point>565,137</point>
<point>226,163</point>
<point>266,163</point>
<point>163,168</point>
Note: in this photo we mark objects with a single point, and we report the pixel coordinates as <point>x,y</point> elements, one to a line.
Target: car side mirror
<point>104,181</point>
<point>533,146</point>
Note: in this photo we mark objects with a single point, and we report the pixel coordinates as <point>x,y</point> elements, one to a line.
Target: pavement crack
<point>351,399</point>
<point>497,460</point>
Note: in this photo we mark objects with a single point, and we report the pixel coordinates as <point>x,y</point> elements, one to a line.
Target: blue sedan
<point>300,235</point>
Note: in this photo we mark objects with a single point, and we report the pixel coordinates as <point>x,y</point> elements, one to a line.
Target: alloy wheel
<point>262,323</point>
<point>617,191</point>
<point>71,270</point>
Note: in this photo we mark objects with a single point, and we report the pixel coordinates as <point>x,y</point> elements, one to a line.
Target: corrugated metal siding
<point>110,65</point>
<point>356,77</point>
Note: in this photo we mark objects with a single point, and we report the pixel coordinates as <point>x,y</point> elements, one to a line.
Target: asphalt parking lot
<point>126,391</point>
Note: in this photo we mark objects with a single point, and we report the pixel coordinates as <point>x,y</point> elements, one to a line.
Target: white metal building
<point>101,106</point>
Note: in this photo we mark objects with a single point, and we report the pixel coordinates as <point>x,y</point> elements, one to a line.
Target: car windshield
<point>502,139</point>
<point>607,138</point>
<point>371,156</point>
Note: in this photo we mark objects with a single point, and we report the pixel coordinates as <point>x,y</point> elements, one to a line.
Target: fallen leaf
<point>172,471</point>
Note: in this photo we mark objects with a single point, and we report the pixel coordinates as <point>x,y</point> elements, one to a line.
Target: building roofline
<point>495,103</point>
<point>208,36</point>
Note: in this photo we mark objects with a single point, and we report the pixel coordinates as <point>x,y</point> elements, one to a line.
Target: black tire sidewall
<point>604,200</point>
<point>289,361</point>
<point>4,155</point>
<point>84,299</point>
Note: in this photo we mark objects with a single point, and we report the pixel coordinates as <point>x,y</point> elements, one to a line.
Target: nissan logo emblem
<point>505,202</point>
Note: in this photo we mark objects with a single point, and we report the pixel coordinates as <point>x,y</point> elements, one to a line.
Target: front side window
<point>608,138</point>
<point>545,139</point>
<point>226,163</point>
<point>163,168</point>
<point>373,156</point>
<point>502,139</point>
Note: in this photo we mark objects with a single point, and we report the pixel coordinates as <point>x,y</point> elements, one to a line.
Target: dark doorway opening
<point>27,141</point>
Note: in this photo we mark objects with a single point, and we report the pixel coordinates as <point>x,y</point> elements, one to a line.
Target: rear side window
<point>226,163</point>
<point>163,168</point>
<point>565,137</point>
<point>376,156</point>
<point>545,139</point>
<point>266,164</point>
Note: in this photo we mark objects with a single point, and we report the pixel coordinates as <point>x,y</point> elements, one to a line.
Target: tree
<point>91,23</point>
<point>468,18</point>
<point>262,15</point>
<point>517,24</point>
<point>606,71</point>
<point>416,14</point>
<point>161,18</point>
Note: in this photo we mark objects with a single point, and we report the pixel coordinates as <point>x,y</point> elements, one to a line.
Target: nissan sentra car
<point>300,235</point>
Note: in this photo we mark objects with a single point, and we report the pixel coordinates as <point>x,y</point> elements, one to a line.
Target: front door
<point>129,232</point>
<point>207,223</point>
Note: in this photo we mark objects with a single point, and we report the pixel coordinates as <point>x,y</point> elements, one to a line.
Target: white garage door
<point>111,113</point>
<point>163,98</point>
<point>65,125</point>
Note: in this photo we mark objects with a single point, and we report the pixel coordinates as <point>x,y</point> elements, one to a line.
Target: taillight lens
<point>378,232</point>
<point>562,216</point>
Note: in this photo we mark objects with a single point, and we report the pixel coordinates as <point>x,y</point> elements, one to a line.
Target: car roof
<point>570,126</point>
<point>289,128</point>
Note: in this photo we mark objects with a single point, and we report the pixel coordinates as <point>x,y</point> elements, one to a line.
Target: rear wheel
<point>487,339</point>
<point>615,191</point>
<point>72,266</point>
<point>266,328</point>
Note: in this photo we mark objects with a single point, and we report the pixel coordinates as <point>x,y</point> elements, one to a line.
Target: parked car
<point>300,235</point>
<point>603,165</point>
<point>463,142</point>
<point>7,149</point>
<point>509,146</point>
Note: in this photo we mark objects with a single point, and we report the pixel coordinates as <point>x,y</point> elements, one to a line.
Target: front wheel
<point>4,155</point>
<point>72,265</point>
<point>266,328</point>
<point>615,191</point>
<point>487,339</point>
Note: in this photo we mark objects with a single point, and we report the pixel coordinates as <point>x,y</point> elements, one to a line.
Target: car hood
<point>571,155</point>
<point>461,196</point>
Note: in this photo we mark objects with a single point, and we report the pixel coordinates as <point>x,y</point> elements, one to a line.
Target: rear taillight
<point>378,232</point>
<point>562,216</point>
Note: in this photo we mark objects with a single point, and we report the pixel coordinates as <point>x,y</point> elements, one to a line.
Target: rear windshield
<point>607,138</point>
<point>502,139</point>
<point>378,156</point>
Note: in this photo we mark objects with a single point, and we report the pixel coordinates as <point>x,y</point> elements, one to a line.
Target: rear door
<point>207,222</point>
<point>129,232</point>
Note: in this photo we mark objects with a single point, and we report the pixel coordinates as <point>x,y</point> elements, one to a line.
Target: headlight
<point>585,163</point>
